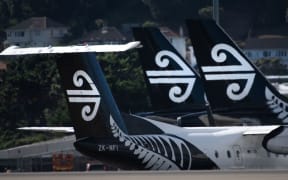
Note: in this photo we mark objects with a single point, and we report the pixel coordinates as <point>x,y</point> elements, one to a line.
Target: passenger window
<point>216,154</point>
<point>228,154</point>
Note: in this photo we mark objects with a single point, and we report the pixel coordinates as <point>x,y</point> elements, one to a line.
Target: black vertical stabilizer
<point>89,98</point>
<point>231,81</point>
<point>172,83</point>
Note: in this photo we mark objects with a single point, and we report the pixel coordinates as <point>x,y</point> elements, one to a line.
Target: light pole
<point>215,4</point>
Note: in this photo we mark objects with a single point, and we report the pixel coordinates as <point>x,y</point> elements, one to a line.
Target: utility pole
<point>215,4</point>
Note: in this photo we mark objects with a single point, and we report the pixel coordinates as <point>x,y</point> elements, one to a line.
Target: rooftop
<point>3,65</point>
<point>267,42</point>
<point>105,34</point>
<point>168,32</point>
<point>40,148</point>
<point>37,23</point>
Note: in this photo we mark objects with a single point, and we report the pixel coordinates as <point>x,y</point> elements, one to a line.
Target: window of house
<point>266,53</point>
<point>282,53</point>
<point>9,34</point>
<point>37,33</point>
<point>19,33</point>
<point>248,53</point>
<point>61,32</point>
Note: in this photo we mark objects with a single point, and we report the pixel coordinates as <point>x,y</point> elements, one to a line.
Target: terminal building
<point>53,155</point>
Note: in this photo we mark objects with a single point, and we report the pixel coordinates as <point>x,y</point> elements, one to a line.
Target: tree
<point>206,12</point>
<point>163,11</point>
<point>125,78</point>
<point>149,24</point>
<point>30,95</point>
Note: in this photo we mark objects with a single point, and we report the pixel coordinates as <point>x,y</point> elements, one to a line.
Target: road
<point>151,175</point>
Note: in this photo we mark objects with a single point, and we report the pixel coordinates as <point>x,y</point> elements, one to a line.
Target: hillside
<point>237,17</point>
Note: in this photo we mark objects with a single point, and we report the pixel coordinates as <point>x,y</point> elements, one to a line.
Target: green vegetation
<point>30,96</point>
<point>84,15</point>
<point>125,77</point>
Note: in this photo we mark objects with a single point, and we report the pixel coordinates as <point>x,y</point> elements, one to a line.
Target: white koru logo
<point>90,96</point>
<point>182,76</point>
<point>233,91</point>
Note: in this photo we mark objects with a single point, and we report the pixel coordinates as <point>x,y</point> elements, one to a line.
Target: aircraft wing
<point>49,129</point>
<point>259,130</point>
<point>16,50</point>
<point>252,130</point>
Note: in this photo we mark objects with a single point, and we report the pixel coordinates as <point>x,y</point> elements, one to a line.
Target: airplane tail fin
<point>89,98</point>
<point>172,83</point>
<point>230,79</point>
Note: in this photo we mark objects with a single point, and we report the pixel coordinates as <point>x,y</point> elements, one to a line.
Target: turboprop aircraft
<point>134,142</point>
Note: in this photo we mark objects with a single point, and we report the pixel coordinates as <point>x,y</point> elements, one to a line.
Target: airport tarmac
<point>151,175</point>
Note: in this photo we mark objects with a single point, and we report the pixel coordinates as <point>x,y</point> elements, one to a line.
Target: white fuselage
<point>231,147</point>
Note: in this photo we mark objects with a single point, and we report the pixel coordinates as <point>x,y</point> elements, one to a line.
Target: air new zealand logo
<point>90,97</point>
<point>277,105</point>
<point>227,72</point>
<point>181,76</point>
<point>156,151</point>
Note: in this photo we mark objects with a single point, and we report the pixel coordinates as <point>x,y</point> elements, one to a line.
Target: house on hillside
<point>3,66</point>
<point>178,41</point>
<point>268,46</point>
<point>105,35</point>
<point>35,31</point>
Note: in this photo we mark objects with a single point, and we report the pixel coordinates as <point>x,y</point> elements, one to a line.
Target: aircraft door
<point>238,159</point>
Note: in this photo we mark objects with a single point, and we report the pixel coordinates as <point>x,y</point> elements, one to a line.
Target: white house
<point>105,35</point>
<point>178,41</point>
<point>267,47</point>
<point>36,31</point>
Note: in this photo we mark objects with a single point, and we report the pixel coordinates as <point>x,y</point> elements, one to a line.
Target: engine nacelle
<point>277,141</point>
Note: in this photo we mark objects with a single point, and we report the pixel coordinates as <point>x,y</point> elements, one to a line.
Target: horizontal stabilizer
<point>49,129</point>
<point>259,130</point>
<point>16,50</point>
